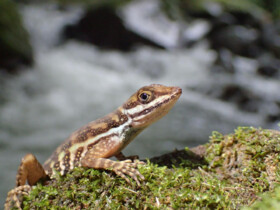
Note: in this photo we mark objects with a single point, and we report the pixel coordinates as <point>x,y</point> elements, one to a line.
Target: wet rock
<point>244,99</point>
<point>270,38</point>
<point>235,18</point>
<point>225,19</point>
<point>238,39</point>
<point>275,116</point>
<point>224,62</point>
<point>237,31</point>
<point>268,70</point>
<point>102,27</point>
<point>268,66</point>
<point>15,49</point>
<point>247,19</point>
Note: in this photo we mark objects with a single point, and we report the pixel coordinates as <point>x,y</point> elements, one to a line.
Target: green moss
<point>269,201</point>
<point>227,173</point>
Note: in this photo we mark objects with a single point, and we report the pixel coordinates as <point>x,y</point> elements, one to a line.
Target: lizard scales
<point>92,145</point>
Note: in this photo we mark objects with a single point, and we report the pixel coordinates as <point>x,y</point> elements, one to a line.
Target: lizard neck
<point>126,132</point>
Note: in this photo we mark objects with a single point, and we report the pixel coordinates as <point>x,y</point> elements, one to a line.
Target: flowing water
<point>74,83</point>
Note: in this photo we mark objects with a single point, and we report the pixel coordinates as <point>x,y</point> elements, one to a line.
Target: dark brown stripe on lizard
<point>145,111</point>
<point>57,166</point>
<point>66,145</point>
<point>131,104</point>
<point>78,154</point>
<point>66,161</point>
<point>53,159</point>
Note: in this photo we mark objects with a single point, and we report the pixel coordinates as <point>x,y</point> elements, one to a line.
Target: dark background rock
<point>102,27</point>
<point>275,117</point>
<point>269,66</point>
<point>239,39</point>
<point>15,49</point>
<point>223,62</point>
<point>270,38</point>
<point>243,98</point>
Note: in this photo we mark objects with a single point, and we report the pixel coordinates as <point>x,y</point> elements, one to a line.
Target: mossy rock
<point>269,201</point>
<point>229,172</point>
<point>15,49</point>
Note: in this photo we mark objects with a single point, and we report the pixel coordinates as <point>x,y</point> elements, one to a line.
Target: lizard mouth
<point>178,92</point>
<point>174,97</point>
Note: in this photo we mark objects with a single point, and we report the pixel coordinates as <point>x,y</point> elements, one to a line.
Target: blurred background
<point>67,62</point>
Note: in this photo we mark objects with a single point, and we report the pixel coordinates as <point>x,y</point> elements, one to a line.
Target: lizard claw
<point>137,161</point>
<point>127,167</point>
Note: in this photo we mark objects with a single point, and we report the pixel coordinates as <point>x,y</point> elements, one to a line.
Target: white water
<point>74,83</point>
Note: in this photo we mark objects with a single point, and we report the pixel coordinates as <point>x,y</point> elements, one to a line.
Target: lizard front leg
<point>122,168</point>
<point>30,170</point>
<point>97,156</point>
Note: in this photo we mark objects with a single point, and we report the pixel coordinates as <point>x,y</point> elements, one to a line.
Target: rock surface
<point>103,28</point>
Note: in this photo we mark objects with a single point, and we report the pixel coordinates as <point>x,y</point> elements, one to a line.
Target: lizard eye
<point>144,97</point>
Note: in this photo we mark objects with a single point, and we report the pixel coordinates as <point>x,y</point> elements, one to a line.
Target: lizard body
<point>92,145</point>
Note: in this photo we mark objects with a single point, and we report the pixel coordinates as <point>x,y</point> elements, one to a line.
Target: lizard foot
<point>127,167</point>
<point>15,196</point>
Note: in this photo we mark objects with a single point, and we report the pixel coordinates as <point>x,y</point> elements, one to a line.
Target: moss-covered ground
<point>230,172</point>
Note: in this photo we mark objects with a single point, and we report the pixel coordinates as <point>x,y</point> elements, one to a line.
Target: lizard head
<point>150,103</point>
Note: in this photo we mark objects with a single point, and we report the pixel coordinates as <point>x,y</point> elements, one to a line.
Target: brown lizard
<point>92,145</point>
